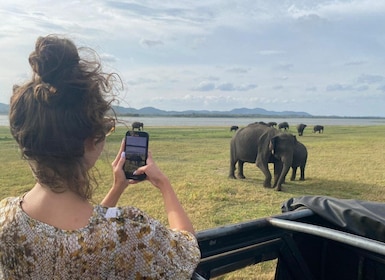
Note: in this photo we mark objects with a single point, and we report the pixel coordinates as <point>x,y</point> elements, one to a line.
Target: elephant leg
<point>240,170</point>
<point>302,178</point>
<point>232,169</point>
<point>263,165</point>
<point>293,173</point>
<point>277,170</point>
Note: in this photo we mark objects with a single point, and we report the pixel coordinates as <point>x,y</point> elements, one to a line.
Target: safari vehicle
<point>320,238</point>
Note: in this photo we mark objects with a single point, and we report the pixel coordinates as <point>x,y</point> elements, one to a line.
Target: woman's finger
<point>119,154</point>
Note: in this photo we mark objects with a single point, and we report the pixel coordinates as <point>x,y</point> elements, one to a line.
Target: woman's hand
<point>120,182</point>
<point>176,215</point>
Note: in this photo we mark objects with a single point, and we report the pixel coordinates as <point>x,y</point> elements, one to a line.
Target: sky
<point>323,57</point>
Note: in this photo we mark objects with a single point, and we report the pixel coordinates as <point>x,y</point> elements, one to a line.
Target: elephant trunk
<point>287,162</point>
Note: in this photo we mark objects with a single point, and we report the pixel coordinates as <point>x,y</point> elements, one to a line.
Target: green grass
<point>343,162</point>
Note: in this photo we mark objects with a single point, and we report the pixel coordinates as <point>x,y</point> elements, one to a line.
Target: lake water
<point>183,121</point>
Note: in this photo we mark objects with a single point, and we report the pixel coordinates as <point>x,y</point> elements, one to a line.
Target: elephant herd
<point>285,126</point>
<point>317,128</point>
<point>261,143</point>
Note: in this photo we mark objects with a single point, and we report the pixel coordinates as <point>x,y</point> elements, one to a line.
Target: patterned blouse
<point>118,243</point>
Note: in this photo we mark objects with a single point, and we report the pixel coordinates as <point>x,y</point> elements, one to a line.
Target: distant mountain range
<point>151,111</point>
<point>244,112</point>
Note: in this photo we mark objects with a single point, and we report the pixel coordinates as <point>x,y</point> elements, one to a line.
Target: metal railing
<point>288,238</point>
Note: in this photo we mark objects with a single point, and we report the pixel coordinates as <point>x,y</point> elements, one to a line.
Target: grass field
<point>343,162</point>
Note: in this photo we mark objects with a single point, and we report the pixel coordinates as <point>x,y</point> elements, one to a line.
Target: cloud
<point>351,88</point>
<point>371,79</point>
<point>226,87</point>
<point>311,88</point>
<point>277,87</point>
<point>239,70</point>
<point>216,53</point>
<point>205,86</point>
<point>283,67</point>
<point>109,58</point>
<point>339,87</point>
<point>270,52</point>
<point>211,86</point>
<point>355,63</point>
<point>151,43</point>
<point>247,87</point>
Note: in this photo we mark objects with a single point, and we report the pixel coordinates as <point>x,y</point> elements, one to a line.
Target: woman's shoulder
<point>9,203</point>
<point>10,200</point>
<point>8,209</point>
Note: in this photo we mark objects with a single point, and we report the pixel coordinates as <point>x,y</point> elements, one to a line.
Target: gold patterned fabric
<point>118,243</point>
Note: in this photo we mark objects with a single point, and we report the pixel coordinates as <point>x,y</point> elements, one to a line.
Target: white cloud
<point>205,86</point>
<point>217,54</point>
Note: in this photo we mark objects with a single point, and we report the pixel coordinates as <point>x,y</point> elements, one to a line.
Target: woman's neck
<point>65,210</point>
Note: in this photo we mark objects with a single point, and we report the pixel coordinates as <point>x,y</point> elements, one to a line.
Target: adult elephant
<point>300,128</point>
<point>283,125</point>
<point>261,144</point>
<point>138,125</point>
<point>318,128</point>
<point>234,128</point>
<point>299,160</point>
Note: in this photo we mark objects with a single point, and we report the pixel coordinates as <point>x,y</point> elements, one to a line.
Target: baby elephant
<point>299,160</point>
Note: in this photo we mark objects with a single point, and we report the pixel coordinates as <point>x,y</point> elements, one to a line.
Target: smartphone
<point>136,150</point>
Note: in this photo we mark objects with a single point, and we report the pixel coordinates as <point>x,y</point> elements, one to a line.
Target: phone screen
<point>136,150</point>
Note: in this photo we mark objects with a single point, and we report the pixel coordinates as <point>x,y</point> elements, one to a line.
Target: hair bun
<point>53,58</point>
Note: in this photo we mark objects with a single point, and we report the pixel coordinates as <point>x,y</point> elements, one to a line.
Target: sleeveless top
<point>118,243</point>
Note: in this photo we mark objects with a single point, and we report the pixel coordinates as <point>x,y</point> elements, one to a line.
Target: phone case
<point>136,150</point>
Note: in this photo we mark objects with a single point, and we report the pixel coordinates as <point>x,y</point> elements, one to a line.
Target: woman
<point>58,118</point>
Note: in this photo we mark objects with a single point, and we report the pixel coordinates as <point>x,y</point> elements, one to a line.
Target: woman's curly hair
<point>52,115</point>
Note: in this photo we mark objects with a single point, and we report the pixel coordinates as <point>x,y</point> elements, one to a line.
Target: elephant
<point>137,125</point>
<point>234,128</point>
<point>299,160</point>
<point>318,128</point>
<point>272,124</point>
<point>135,159</point>
<point>283,125</point>
<point>263,123</point>
<point>261,144</point>
<point>300,128</point>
